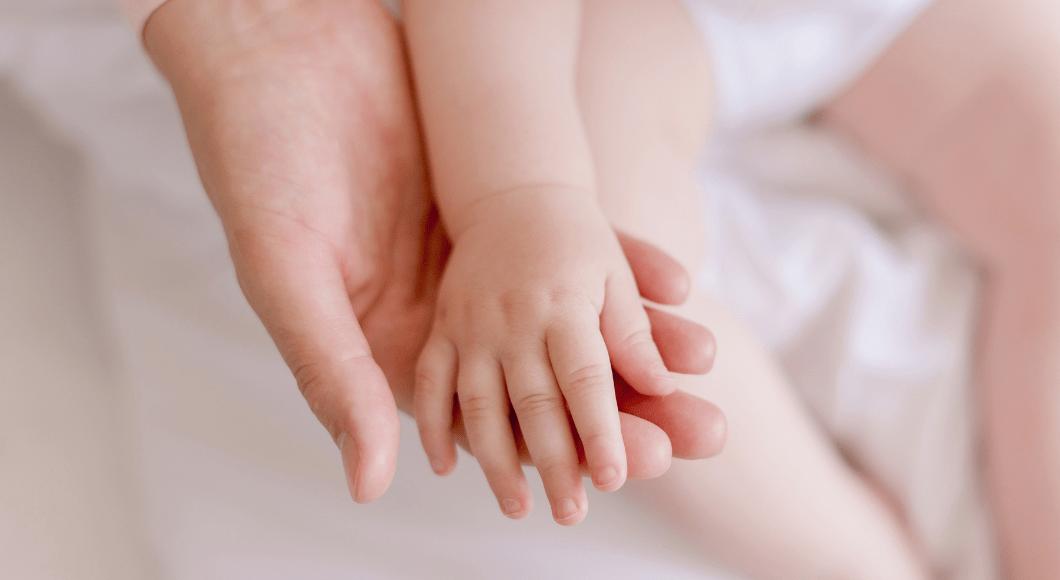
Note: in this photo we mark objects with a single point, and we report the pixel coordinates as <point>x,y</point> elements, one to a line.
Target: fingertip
<point>699,429</point>
<point>367,475</point>
<point>708,349</point>
<point>630,340</point>
<point>608,478</point>
<point>569,511</point>
<point>660,278</point>
<point>685,347</point>
<point>350,463</point>
<point>517,508</point>
<point>648,449</point>
<point>663,382</point>
<point>711,440</point>
<point>484,405</point>
<point>678,289</point>
<point>439,446</point>
<point>433,404</point>
<point>443,464</point>
<point>646,372</point>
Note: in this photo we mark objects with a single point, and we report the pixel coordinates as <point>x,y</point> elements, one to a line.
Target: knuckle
<point>596,439</point>
<point>555,467</point>
<point>312,383</point>
<point>569,302</point>
<point>477,407</point>
<point>497,472</point>
<point>531,407</point>
<point>638,339</point>
<point>588,380</point>
<point>432,426</point>
<point>311,379</point>
<point>521,310</point>
<point>427,382</point>
<point>563,297</point>
<point>319,386</point>
<point>544,303</point>
<point>510,303</point>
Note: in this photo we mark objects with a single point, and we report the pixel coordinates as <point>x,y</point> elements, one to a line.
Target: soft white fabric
<point>868,306</point>
<point>774,60</point>
<point>870,309</point>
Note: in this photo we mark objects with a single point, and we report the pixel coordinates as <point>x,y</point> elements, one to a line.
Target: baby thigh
<point>779,502</point>
<point>966,108</point>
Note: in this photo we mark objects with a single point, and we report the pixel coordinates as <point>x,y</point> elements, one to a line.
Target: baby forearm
<point>496,83</point>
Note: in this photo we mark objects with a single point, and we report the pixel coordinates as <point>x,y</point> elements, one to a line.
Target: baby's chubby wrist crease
<point>461,216</point>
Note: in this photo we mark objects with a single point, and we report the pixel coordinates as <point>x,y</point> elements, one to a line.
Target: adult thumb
<point>296,287</point>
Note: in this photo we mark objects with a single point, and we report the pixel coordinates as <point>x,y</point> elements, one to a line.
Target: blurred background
<point>67,505</point>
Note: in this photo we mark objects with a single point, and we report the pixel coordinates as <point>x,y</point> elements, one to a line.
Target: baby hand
<point>536,294</point>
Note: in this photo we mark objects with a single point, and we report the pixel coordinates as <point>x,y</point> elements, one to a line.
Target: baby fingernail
<point>566,509</point>
<point>437,465</point>
<point>605,477</point>
<point>512,507</point>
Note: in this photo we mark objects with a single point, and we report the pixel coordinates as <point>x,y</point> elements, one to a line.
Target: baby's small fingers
<point>627,333</point>
<point>433,402</point>
<point>580,361</point>
<point>543,422</point>
<point>484,406</point>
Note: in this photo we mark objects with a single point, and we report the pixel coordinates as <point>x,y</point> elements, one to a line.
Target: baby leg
<point>966,108</point>
<point>779,502</point>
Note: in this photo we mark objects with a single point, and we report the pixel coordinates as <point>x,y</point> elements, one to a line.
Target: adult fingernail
<point>565,510</point>
<point>349,463</point>
<point>605,477</point>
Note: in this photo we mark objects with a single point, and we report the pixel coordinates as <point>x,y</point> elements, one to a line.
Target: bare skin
<point>966,108</point>
<point>301,121</point>
<point>780,502</point>
<point>713,497</point>
<point>537,303</point>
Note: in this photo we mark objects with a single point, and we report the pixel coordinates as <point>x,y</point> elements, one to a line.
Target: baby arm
<point>537,292</point>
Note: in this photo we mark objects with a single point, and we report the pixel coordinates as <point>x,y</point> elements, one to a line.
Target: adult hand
<point>300,117</point>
